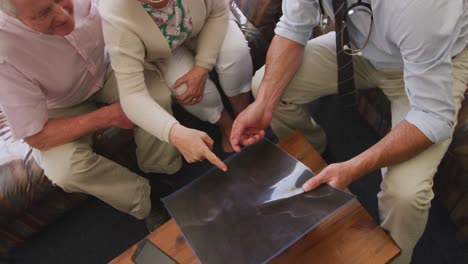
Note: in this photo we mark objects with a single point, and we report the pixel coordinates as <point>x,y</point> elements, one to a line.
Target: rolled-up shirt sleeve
<point>22,101</point>
<point>428,74</point>
<point>298,19</point>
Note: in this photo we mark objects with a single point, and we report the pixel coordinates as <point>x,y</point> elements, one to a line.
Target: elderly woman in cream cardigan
<point>164,49</point>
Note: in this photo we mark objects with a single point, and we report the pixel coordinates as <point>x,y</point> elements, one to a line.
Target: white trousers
<point>406,189</point>
<point>234,68</point>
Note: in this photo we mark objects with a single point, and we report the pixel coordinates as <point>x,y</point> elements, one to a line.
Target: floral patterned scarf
<point>174,21</point>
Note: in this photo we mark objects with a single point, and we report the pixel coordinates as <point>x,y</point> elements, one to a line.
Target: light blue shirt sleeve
<point>298,20</point>
<point>425,46</point>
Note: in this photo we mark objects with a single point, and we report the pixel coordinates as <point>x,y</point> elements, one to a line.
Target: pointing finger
<point>211,157</point>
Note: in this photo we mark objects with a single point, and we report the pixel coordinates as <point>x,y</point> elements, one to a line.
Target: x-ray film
<point>254,211</point>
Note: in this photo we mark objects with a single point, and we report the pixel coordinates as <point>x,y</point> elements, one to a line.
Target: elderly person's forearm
<point>59,131</point>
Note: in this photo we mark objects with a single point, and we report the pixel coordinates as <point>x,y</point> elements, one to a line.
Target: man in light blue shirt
<point>416,53</point>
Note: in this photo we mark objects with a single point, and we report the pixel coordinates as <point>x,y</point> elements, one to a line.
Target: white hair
<point>7,7</point>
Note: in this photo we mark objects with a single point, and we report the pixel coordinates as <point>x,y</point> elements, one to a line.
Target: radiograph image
<point>255,210</point>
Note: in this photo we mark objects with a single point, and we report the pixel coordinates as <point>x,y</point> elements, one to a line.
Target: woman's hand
<point>195,81</point>
<point>194,145</point>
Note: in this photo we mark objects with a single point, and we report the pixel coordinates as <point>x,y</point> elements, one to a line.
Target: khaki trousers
<point>406,189</point>
<point>76,168</point>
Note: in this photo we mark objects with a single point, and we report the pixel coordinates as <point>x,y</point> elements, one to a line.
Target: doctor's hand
<point>338,175</point>
<point>195,81</point>
<point>194,145</point>
<point>248,128</point>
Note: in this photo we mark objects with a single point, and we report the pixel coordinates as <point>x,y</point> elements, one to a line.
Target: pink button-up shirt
<point>40,72</point>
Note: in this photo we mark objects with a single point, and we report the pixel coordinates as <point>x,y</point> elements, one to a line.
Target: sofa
<point>29,202</point>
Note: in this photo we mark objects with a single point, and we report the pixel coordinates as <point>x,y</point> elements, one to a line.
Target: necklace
<point>155,1</point>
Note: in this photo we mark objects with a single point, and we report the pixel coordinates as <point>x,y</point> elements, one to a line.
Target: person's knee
<point>61,178</point>
<point>165,159</point>
<point>233,58</point>
<point>167,166</point>
<point>72,172</point>
<point>417,198</point>
<point>210,107</point>
<point>257,80</point>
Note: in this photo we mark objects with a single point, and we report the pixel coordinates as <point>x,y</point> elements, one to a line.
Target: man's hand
<point>404,142</point>
<point>118,117</point>
<point>58,131</point>
<point>194,145</point>
<point>283,59</point>
<point>248,128</point>
<point>338,175</point>
<point>195,81</point>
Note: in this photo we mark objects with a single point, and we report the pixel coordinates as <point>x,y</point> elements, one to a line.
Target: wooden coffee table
<point>350,235</point>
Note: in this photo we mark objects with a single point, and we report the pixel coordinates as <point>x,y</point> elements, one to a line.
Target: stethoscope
<point>325,22</point>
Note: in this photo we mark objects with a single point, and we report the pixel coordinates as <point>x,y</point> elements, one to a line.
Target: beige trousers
<point>76,168</point>
<point>406,189</point>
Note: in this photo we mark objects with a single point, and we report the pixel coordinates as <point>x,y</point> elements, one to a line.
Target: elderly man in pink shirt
<point>53,71</point>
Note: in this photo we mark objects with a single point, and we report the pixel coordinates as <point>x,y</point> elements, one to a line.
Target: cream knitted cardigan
<point>138,49</point>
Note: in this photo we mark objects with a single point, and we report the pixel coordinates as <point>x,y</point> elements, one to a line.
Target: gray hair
<point>7,7</point>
